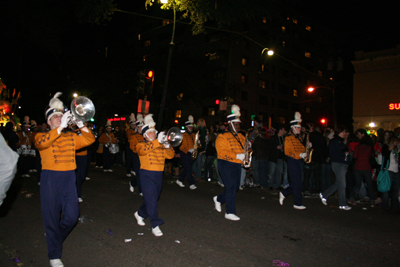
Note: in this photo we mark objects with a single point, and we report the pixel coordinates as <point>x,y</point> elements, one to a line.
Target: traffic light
<point>323,121</point>
<point>149,80</point>
<point>217,102</point>
<point>176,121</point>
<point>141,85</point>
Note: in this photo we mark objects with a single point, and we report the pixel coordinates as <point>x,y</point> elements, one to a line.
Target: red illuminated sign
<point>117,119</point>
<point>394,106</point>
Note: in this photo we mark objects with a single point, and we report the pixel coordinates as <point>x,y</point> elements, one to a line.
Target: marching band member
<point>25,147</point>
<point>152,154</point>
<point>133,141</point>
<point>230,149</point>
<point>295,152</point>
<point>58,182</point>
<point>34,152</point>
<point>187,149</point>
<point>129,157</point>
<point>106,140</point>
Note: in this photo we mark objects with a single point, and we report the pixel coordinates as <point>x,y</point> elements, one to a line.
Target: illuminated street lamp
<point>311,89</point>
<point>75,95</point>
<point>372,124</point>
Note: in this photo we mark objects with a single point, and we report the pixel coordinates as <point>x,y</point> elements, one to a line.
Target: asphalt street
<point>194,233</point>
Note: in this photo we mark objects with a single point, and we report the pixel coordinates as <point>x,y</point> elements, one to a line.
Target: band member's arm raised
<point>45,140</point>
<point>86,139</point>
<point>169,153</point>
<point>145,148</point>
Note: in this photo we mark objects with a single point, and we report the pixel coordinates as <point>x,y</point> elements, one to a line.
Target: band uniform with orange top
<point>135,139</point>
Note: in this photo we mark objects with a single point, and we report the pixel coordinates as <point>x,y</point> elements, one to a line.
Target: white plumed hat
<point>235,116</point>
<point>148,124</point>
<point>297,120</point>
<point>139,120</point>
<point>132,118</point>
<point>26,121</point>
<point>56,106</point>
<point>108,125</point>
<point>190,121</point>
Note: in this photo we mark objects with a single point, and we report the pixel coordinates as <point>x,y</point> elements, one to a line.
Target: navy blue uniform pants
<point>295,169</point>
<point>58,195</point>
<point>81,167</point>
<point>151,182</point>
<point>230,173</point>
<point>187,163</point>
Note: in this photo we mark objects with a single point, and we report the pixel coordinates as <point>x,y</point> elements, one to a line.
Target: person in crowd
<point>326,178</point>
<point>99,149</point>
<point>187,149</point>
<point>338,153</point>
<point>352,142</point>
<point>390,153</point>
<point>152,153</point>
<point>211,155</point>
<point>25,147</point>
<point>34,152</point>
<point>129,157</point>
<point>261,154</point>
<point>11,136</point>
<point>276,158</point>
<point>230,150</point>
<point>362,167</point>
<point>198,162</point>
<point>107,139</point>
<point>58,194</point>
<point>134,140</point>
<point>295,152</point>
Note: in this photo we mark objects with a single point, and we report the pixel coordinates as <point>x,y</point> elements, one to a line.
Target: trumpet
<point>173,137</point>
<point>309,151</point>
<point>196,145</point>
<point>82,109</point>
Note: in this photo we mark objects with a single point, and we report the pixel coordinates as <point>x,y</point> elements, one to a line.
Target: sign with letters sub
<point>394,106</point>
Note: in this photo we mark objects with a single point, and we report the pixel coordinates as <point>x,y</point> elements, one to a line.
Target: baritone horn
<point>82,109</point>
<point>173,137</point>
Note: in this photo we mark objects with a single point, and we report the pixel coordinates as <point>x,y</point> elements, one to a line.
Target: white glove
<point>167,145</point>
<point>161,137</point>
<point>80,124</point>
<point>303,155</point>
<point>191,150</point>
<point>65,119</point>
<point>240,156</point>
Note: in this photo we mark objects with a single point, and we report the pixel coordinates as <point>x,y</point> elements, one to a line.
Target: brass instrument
<point>247,153</point>
<point>196,146</point>
<point>309,151</point>
<point>82,109</point>
<point>173,137</point>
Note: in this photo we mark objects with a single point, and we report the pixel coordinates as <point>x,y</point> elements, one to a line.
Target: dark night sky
<point>32,63</point>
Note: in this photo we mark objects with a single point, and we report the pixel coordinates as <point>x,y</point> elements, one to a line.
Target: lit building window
<point>244,78</point>
<point>147,43</point>
<point>307,54</point>
<point>308,28</point>
<point>294,21</point>
<point>165,22</point>
<point>244,61</point>
<point>138,37</point>
<point>211,112</point>
<point>178,114</point>
<point>213,56</point>
<point>144,57</point>
<point>308,110</point>
<point>295,92</point>
<point>282,120</point>
<point>283,43</point>
<point>283,28</point>
<point>288,18</point>
<point>264,20</point>
<point>320,73</point>
<point>262,84</point>
<point>262,67</point>
<point>179,97</point>
<point>331,78</point>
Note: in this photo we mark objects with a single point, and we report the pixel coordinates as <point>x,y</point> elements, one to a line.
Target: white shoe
<point>180,183</point>
<point>104,170</point>
<point>323,200</point>
<point>139,219</point>
<point>140,194</point>
<point>128,175</point>
<point>30,170</point>
<point>97,167</point>
<point>299,207</point>
<point>344,208</point>
<point>34,170</point>
<point>56,263</point>
<point>134,173</point>
<point>281,198</point>
<point>156,231</point>
<point>109,170</point>
<point>38,183</point>
<point>217,204</point>
<point>101,167</point>
<point>221,184</point>
<point>231,217</point>
<point>80,199</point>
<point>87,178</point>
<point>131,188</point>
<point>240,187</point>
<point>192,187</point>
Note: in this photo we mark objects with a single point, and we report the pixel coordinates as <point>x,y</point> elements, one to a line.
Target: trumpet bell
<point>82,108</point>
<point>174,136</point>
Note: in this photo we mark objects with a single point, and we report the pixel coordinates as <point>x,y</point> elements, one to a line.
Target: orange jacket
<point>129,132</point>
<point>293,147</point>
<point>134,140</point>
<point>228,146</point>
<point>58,150</point>
<point>107,138</point>
<point>152,155</point>
<point>187,142</point>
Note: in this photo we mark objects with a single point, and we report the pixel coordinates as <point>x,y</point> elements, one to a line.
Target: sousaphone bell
<point>173,137</point>
<point>82,109</point>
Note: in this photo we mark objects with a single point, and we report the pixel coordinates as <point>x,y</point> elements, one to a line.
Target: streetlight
<point>312,89</point>
<point>75,95</point>
<point>372,124</point>
<point>269,53</point>
<point>171,46</point>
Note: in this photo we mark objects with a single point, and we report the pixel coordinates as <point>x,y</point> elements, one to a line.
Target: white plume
<point>108,123</point>
<point>139,117</point>
<point>55,102</point>
<point>132,117</point>
<point>190,118</point>
<point>236,110</point>
<point>148,120</point>
<point>297,116</point>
